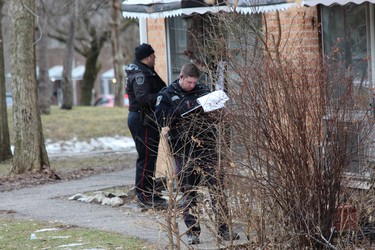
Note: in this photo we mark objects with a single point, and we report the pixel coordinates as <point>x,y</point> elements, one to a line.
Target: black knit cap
<point>142,51</point>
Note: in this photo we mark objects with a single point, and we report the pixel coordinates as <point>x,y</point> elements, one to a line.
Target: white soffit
<point>77,72</point>
<point>330,2</point>
<point>56,72</point>
<point>170,8</point>
<point>110,74</point>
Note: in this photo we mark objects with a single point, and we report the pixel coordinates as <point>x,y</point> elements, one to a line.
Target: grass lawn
<point>29,234</point>
<point>82,123</point>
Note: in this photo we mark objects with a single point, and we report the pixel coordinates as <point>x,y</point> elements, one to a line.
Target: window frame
<point>370,38</point>
<point>358,165</point>
<point>171,50</point>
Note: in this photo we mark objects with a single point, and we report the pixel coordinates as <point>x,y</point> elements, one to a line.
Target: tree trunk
<point>5,152</point>
<point>67,84</point>
<point>91,71</point>
<point>88,81</point>
<point>30,153</point>
<point>42,54</point>
<point>118,60</point>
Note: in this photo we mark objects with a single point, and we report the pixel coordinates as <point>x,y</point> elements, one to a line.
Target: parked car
<point>109,101</point>
<point>105,101</point>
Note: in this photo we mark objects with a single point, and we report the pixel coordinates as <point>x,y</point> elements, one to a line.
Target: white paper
<point>212,101</point>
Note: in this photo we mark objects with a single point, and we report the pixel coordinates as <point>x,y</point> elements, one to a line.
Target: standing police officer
<point>192,138</point>
<point>142,87</point>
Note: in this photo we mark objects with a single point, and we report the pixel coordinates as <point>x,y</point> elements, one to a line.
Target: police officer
<point>193,145</point>
<point>142,87</point>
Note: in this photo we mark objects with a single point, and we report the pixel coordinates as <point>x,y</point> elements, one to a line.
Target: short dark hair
<point>191,70</point>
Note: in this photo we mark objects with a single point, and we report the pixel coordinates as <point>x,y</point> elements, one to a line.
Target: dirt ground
<point>14,182</point>
<point>8,183</point>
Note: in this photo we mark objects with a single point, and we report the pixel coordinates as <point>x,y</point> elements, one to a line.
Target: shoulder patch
<point>140,79</point>
<point>158,100</point>
<point>175,98</point>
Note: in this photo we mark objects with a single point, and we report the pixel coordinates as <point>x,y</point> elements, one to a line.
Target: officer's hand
<point>185,106</point>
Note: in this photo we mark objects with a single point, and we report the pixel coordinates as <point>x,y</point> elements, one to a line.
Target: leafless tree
<point>93,31</point>
<point>44,82</point>
<point>30,153</point>
<point>91,34</point>
<point>5,152</point>
<point>117,53</point>
<point>67,84</point>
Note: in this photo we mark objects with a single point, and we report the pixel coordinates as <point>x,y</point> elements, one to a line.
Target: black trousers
<point>197,165</point>
<point>146,140</point>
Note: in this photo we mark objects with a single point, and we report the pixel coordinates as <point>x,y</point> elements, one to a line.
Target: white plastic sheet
<point>213,101</point>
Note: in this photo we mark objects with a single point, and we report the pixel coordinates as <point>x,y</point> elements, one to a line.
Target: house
<point>319,27</point>
<point>320,24</point>
<point>55,75</point>
<point>163,24</point>
<point>107,83</point>
<point>107,80</point>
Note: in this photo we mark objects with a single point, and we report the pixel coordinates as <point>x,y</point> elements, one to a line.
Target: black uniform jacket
<point>142,87</point>
<point>172,102</point>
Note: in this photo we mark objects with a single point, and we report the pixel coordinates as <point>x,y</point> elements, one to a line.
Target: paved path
<point>50,202</point>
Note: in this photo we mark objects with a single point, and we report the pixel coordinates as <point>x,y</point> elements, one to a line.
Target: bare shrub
<point>296,140</point>
<point>298,132</point>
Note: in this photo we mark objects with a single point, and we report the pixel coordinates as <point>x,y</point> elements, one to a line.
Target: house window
<point>177,37</point>
<point>348,29</point>
<point>348,39</point>
<point>186,35</point>
<point>350,142</point>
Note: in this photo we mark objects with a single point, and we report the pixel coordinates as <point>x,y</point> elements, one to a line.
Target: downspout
<point>372,47</point>
<point>143,38</point>
<point>168,51</point>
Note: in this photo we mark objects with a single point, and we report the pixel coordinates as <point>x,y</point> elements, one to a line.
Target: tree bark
<point>30,153</point>
<point>67,83</point>
<point>118,59</point>
<point>44,83</point>
<point>88,80</point>
<point>92,68</point>
<point>5,152</point>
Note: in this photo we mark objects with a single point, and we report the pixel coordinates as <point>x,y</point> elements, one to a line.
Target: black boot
<point>193,239</point>
<point>225,234</point>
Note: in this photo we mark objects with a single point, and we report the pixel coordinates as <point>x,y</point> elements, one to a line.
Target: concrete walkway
<point>50,203</point>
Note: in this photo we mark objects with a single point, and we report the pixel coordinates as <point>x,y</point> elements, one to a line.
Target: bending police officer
<point>192,139</point>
